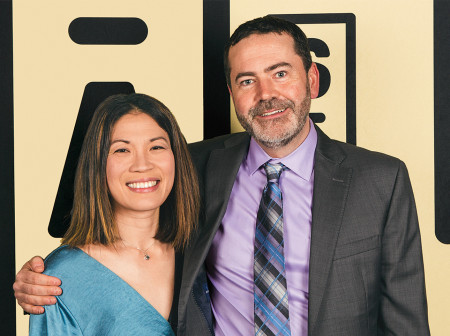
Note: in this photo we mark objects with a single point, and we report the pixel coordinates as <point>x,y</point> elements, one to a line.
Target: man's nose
<point>267,90</point>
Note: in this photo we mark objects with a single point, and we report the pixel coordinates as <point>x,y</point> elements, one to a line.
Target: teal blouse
<point>95,301</point>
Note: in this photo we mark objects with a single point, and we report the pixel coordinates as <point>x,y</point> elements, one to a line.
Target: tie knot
<point>273,171</point>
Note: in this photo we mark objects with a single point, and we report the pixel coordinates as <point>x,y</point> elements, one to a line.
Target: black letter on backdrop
<point>98,31</point>
<point>320,49</point>
<point>94,94</point>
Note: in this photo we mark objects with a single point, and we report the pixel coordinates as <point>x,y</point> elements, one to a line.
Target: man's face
<point>272,91</point>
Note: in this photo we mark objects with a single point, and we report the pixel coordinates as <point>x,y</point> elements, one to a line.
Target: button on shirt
<point>230,260</point>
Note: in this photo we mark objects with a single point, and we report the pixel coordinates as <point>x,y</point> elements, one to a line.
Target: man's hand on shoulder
<point>34,290</point>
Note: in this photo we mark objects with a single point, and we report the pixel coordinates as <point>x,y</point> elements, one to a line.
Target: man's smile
<point>272,113</point>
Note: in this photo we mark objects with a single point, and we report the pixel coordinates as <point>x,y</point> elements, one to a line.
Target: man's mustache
<point>267,105</point>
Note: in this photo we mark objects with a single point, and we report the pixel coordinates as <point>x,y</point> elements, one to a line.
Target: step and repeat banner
<point>69,56</point>
<point>376,62</point>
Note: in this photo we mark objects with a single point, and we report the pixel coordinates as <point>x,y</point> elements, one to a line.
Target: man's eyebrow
<point>243,74</point>
<point>278,65</point>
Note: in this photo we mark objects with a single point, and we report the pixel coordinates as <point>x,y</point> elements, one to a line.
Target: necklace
<point>146,255</point>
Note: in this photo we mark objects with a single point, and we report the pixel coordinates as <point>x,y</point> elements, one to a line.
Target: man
<point>349,258</point>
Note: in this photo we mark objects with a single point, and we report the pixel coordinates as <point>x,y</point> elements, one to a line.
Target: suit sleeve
<point>56,321</point>
<point>403,305</point>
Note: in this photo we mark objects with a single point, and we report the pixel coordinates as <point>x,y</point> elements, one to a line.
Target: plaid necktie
<point>271,298</point>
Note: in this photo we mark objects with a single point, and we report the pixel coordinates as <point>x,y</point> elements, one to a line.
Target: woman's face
<point>140,168</point>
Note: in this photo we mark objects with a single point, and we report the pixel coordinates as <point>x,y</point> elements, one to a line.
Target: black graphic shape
<point>350,49</point>
<point>7,236</point>
<point>325,79</point>
<point>94,94</point>
<point>320,49</point>
<point>106,30</point>
<point>317,117</point>
<point>442,120</point>
<point>216,100</point>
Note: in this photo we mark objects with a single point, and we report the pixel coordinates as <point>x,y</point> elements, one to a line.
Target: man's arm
<point>33,289</point>
<point>403,305</point>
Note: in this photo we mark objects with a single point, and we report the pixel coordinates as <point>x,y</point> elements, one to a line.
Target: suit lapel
<point>221,170</point>
<point>331,184</point>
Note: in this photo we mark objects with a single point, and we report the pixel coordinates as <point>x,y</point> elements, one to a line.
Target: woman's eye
<point>157,147</point>
<point>121,150</point>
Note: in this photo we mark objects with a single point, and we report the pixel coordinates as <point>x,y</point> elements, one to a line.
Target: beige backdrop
<point>50,73</point>
<point>394,76</point>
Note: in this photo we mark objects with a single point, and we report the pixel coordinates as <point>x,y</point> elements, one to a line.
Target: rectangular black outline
<point>7,237</point>
<point>442,120</point>
<point>349,20</point>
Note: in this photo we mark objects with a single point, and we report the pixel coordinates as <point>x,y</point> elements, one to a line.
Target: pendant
<point>146,256</point>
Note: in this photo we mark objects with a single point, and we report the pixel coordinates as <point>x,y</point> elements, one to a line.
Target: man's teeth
<point>138,185</point>
<point>271,113</point>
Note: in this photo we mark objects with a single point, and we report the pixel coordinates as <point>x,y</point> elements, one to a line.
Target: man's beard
<point>291,125</point>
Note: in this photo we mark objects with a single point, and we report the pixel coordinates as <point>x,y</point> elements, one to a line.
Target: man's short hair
<point>265,25</point>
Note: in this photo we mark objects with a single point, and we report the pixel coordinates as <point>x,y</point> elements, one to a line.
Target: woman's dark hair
<point>92,213</point>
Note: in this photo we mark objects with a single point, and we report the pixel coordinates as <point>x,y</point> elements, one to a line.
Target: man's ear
<point>313,78</point>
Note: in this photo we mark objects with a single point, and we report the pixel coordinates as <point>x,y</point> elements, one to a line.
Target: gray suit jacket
<point>366,270</point>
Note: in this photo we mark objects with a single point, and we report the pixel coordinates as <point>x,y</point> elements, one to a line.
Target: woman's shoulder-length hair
<point>92,217</point>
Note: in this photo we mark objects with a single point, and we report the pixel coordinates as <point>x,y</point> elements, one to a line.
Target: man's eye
<point>247,82</point>
<point>280,74</point>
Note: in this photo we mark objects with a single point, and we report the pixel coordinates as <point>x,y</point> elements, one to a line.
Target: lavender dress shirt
<point>230,260</point>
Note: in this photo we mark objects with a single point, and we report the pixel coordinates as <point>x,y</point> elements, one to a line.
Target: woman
<point>135,205</point>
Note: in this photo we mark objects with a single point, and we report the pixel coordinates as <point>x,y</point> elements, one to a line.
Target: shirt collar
<point>300,161</point>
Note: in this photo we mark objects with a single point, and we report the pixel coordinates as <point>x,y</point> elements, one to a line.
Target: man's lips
<point>272,114</point>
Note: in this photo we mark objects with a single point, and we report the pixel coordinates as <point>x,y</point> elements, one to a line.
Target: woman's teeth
<point>138,185</point>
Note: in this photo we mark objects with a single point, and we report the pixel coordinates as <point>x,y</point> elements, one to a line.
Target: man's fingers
<point>31,309</point>
<point>37,264</point>
<point>43,280</point>
<point>26,276</point>
<point>34,300</point>
<point>23,289</point>
<point>34,290</point>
